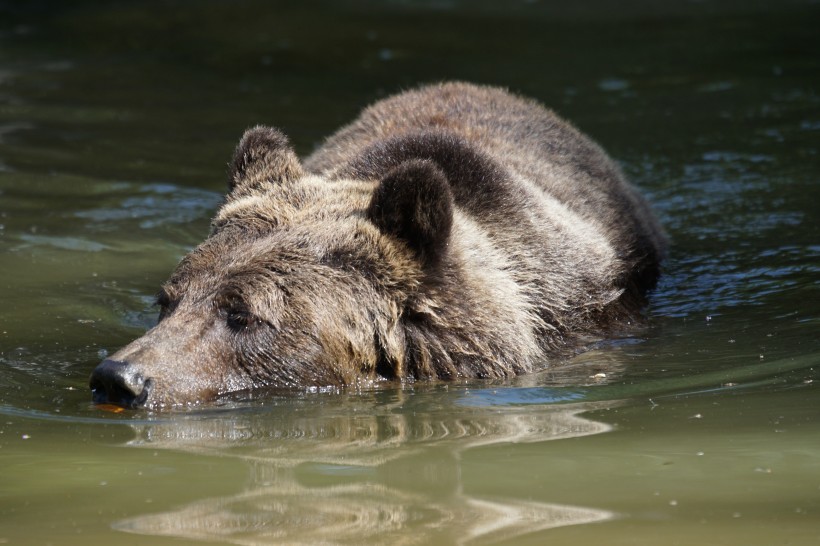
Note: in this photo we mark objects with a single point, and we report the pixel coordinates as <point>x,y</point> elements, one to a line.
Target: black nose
<point>119,383</point>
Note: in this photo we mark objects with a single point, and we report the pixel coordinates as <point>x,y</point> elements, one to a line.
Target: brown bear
<point>453,231</point>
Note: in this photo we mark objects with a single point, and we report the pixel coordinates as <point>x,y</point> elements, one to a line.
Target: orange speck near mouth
<point>110,407</point>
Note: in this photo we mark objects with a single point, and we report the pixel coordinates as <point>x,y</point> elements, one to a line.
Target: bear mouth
<point>102,397</point>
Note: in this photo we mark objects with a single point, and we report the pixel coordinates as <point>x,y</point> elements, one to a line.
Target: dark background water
<point>117,120</point>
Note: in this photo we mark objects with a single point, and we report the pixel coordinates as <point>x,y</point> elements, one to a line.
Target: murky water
<point>116,123</point>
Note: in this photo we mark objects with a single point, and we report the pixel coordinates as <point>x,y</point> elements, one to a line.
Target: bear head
<point>303,281</point>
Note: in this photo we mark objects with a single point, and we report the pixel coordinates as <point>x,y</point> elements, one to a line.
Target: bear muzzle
<point>119,383</point>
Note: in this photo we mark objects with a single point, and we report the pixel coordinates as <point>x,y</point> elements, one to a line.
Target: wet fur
<point>451,231</point>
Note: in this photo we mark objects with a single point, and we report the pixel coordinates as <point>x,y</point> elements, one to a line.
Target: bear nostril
<point>119,383</point>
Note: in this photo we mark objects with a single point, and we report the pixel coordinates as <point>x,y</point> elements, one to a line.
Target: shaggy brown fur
<point>454,231</point>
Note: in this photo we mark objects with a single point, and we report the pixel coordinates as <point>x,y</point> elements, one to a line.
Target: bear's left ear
<point>263,156</point>
<point>414,203</point>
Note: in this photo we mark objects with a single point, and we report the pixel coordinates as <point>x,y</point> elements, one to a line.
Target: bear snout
<point>119,383</point>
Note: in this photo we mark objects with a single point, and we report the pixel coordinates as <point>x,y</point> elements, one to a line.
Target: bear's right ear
<point>263,156</point>
<point>414,203</point>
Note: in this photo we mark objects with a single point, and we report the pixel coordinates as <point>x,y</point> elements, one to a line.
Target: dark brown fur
<point>452,231</point>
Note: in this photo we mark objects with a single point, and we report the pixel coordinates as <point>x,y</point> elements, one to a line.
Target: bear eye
<point>237,315</point>
<point>241,319</point>
<point>165,303</point>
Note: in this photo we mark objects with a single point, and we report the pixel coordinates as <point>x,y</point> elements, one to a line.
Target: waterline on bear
<point>451,232</point>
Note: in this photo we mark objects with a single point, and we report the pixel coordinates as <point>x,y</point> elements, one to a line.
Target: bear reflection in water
<point>347,470</point>
<point>450,232</point>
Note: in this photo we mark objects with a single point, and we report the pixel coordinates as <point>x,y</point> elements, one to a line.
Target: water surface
<point>116,125</point>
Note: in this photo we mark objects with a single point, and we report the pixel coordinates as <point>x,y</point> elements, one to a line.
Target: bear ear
<point>263,156</point>
<point>414,203</point>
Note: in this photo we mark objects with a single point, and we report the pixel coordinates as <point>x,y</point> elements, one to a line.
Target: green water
<point>117,120</point>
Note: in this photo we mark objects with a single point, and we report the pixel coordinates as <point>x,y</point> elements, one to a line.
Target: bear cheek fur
<point>324,325</point>
<point>360,341</point>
